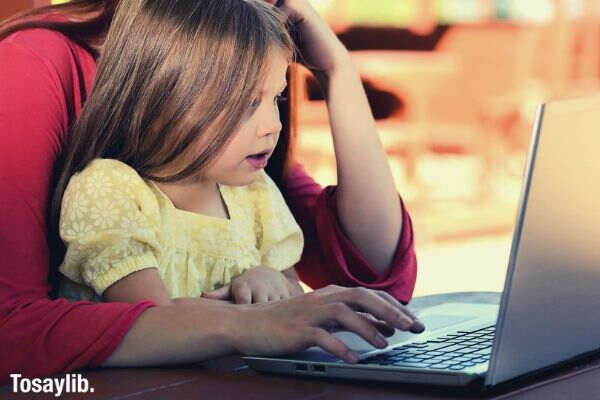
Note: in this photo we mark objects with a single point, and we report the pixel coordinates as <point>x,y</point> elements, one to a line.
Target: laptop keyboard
<point>455,351</point>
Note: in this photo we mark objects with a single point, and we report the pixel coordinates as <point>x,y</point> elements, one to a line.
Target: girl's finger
<point>242,294</point>
<point>223,293</point>
<point>276,297</point>
<point>260,295</point>
<point>276,294</point>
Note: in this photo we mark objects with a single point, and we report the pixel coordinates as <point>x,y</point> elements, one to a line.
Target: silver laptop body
<point>548,310</point>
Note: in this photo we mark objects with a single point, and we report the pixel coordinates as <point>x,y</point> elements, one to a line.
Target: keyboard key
<point>441,366</point>
<point>462,358</point>
<point>413,360</point>
<point>453,348</point>
<point>438,360</point>
<point>396,351</point>
<point>434,352</point>
<point>466,350</point>
<point>441,339</point>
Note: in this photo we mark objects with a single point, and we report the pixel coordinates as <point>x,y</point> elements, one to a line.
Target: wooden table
<point>228,378</point>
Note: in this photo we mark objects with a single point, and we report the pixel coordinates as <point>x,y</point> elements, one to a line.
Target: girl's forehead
<point>276,67</point>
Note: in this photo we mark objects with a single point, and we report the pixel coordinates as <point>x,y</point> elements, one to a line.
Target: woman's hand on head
<point>258,285</point>
<point>300,322</point>
<point>320,49</point>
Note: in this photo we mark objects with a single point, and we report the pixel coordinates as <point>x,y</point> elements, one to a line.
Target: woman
<point>43,86</point>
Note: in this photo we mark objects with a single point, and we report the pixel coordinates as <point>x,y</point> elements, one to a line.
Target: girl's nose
<point>271,123</point>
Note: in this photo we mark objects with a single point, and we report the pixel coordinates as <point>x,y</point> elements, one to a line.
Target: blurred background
<point>453,85</point>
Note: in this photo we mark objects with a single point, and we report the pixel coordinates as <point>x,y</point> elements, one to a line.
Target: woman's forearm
<point>368,205</point>
<point>193,330</point>
<point>187,331</point>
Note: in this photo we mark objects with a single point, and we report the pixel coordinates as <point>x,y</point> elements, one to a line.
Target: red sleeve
<point>42,81</point>
<point>329,257</point>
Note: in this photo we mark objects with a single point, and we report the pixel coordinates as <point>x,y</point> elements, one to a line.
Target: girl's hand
<point>320,49</point>
<point>294,324</point>
<point>258,285</point>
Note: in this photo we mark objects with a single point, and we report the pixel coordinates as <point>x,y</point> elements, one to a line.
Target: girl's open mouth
<point>258,160</point>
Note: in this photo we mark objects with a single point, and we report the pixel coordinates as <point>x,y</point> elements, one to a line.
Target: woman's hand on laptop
<point>300,322</point>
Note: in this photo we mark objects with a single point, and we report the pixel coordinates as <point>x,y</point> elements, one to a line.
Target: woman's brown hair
<point>83,21</point>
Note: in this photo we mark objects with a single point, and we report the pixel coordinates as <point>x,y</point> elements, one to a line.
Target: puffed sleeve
<point>329,257</point>
<point>280,240</point>
<point>109,223</point>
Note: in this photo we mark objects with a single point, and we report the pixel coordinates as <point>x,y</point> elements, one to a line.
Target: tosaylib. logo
<point>70,383</point>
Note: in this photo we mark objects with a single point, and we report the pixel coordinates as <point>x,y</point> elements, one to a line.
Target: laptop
<point>548,311</point>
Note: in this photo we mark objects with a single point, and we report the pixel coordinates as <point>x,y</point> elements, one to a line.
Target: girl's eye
<point>255,103</point>
<point>252,108</point>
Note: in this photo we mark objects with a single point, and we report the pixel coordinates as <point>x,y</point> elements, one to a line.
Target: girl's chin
<point>243,179</point>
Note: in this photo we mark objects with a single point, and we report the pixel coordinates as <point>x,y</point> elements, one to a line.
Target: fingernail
<point>405,322</point>
<point>417,326</point>
<point>352,356</point>
<point>380,340</point>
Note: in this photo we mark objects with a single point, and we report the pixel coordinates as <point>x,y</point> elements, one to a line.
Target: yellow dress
<point>114,223</point>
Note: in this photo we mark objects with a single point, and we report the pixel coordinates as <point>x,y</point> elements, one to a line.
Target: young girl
<point>167,196</point>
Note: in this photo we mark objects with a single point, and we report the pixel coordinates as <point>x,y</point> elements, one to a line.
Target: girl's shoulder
<point>115,185</point>
<point>113,169</point>
<point>109,175</point>
<point>106,189</point>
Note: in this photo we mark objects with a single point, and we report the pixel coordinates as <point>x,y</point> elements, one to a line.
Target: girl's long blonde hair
<point>170,72</point>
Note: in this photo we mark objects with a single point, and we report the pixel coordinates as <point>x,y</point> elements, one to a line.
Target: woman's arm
<point>368,205</point>
<point>202,329</point>
<point>367,201</point>
<point>330,257</point>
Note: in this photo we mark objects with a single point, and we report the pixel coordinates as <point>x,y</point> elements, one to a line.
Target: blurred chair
<point>493,90</point>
